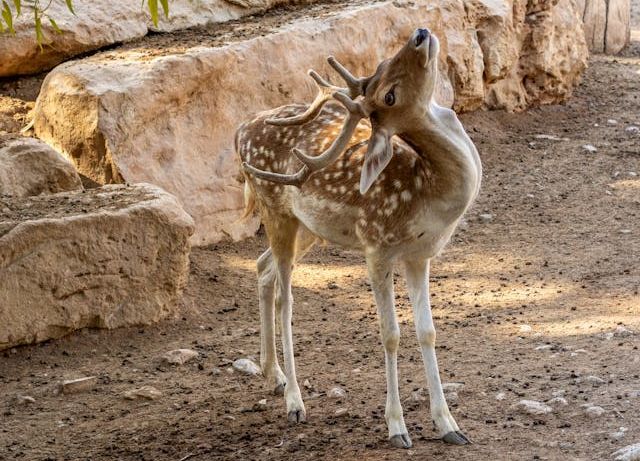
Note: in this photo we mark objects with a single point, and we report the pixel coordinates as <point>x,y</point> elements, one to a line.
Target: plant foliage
<point>38,9</point>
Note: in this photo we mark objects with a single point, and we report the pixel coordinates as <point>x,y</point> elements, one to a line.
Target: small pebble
<point>628,453</point>
<point>452,387</point>
<point>486,217</point>
<point>25,399</point>
<point>590,148</point>
<point>75,386</point>
<point>533,407</point>
<point>336,393</point>
<point>558,402</point>
<point>246,366</point>
<point>594,411</point>
<point>143,393</point>
<point>179,356</point>
<point>261,405</point>
<point>594,380</point>
<point>619,434</point>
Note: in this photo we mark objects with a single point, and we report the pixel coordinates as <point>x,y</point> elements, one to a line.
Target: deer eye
<point>390,98</point>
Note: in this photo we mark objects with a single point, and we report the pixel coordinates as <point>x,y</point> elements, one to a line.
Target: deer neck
<point>449,157</point>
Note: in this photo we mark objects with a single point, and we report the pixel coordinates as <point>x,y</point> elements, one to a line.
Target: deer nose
<point>421,35</point>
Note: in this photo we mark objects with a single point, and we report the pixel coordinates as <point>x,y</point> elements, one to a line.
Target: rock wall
<point>606,24</point>
<point>168,118</point>
<point>99,24</point>
<point>104,258</point>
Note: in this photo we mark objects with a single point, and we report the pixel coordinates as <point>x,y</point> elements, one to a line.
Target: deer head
<point>394,99</point>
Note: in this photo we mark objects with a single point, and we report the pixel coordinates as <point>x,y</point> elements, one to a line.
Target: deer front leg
<point>266,294</point>
<point>418,285</point>
<point>381,275</point>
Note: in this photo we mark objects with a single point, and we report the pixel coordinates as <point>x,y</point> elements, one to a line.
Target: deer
<point>379,167</point>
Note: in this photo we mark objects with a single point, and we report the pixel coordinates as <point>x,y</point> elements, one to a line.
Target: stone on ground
<point>76,386</point>
<point>246,366</point>
<point>533,407</point>
<point>101,258</point>
<point>28,167</point>
<point>143,114</point>
<point>628,453</point>
<point>179,356</point>
<point>143,393</point>
<point>337,393</point>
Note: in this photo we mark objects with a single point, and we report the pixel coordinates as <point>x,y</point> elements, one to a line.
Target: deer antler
<point>355,87</point>
<point>311,164</point>
<point>325,93</point>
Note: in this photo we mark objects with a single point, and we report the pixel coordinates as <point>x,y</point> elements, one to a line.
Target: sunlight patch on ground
<point>305,275</point>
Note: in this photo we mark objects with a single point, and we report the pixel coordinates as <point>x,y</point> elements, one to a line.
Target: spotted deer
<point>377,166</point>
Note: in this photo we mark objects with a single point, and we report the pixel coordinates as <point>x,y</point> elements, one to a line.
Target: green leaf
<point>55,26</point>
<point>165,7</point>
<point>70,6</point>
<point>6,14</point>
<point>153,9</point>
<point>39,34</point>
<point>1,28</point>
<point>18,5</point>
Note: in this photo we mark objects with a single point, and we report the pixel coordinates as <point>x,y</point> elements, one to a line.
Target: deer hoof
<point>456,438</point>
<point>297,416</point>
<point>401,441</point>
<point>279,389</point>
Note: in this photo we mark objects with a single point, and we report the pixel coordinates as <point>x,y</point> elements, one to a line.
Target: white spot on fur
<point>418,182</point>
<point>405,196</point>
<point>397,184</point>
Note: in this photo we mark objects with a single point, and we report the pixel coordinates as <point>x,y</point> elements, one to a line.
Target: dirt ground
<point>559,255</point>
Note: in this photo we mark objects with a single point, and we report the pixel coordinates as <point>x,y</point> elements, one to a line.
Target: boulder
<point>99,24</point>
<point>606,24</point>
<point>102,258</point>
<point>167,115</point>
<point>28,166</point>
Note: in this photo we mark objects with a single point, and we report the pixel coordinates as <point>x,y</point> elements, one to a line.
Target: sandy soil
<point>559,255</point>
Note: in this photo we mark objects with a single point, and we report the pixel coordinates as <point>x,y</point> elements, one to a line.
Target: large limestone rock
<point>28,166</point>
<point>606,24</point>
<point>99,24</point>
<point>106,257</point>
<point>141,114</point>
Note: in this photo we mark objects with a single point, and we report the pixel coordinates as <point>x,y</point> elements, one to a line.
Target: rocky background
<point>164,109</point>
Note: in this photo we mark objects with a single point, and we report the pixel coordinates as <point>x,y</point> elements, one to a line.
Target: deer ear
<point>376,159</point>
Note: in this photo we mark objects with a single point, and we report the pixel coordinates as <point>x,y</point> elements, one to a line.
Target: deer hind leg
<point>282,232</point>
<point>417,273</point>
<point>266,294</point>
<point>271,370</point>
<point>381,275</point>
